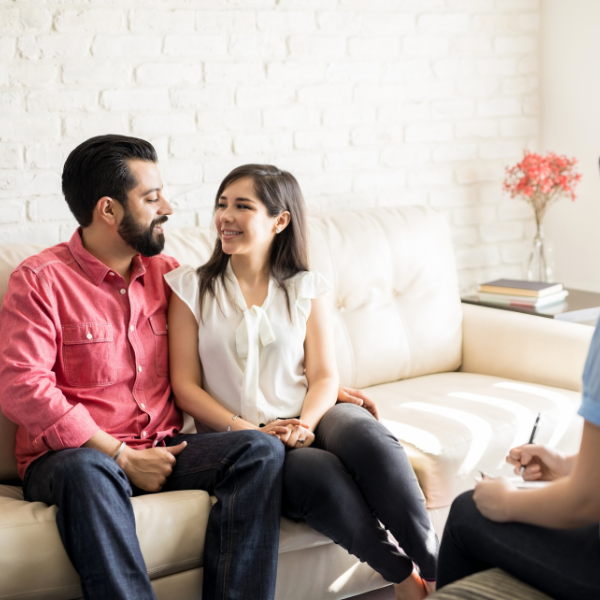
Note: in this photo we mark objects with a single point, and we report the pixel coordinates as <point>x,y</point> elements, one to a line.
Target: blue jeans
<point>354,484</point>
<point>95,519</point>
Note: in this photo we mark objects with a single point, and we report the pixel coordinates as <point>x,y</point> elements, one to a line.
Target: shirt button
<point>143,434</point>
<point>131,328</point>
<point>111,273</point>
<point>140,368</point>
<point>143,405</point>
<point>89,336</point>
<point>123,291</point>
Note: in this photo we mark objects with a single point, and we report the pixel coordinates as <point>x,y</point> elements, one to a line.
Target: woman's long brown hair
<point>279,191</point>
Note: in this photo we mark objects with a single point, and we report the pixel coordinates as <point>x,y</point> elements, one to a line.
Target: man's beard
<point>139,238</point>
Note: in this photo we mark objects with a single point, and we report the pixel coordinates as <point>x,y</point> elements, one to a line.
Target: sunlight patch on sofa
<point>481,432</point>
<point>422,440</point>
<point>343,579</point>
<point>562,402</point>
<point>525,417</point>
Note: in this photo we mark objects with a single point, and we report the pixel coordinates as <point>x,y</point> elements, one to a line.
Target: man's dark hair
<point>98,168</point>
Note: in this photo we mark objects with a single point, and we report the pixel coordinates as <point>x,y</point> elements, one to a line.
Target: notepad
<point>528,485</point>
<point>520,483</point>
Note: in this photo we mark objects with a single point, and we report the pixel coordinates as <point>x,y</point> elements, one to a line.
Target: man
<point>85,378</point>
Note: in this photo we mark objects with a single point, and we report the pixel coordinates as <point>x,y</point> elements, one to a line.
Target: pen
<point>532,437</point>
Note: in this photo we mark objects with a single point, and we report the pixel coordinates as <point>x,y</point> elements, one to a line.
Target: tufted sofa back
<point>397,311</point>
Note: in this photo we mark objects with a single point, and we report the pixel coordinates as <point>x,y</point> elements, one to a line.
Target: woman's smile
<point>229,234</point>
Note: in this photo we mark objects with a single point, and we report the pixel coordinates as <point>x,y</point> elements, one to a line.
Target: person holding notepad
<point>547,537</point>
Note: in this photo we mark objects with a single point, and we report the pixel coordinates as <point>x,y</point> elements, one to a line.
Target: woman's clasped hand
<point>292,432</point>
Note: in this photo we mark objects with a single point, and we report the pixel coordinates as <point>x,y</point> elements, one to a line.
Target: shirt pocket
<point>161,344</point>
<point>89,354</point>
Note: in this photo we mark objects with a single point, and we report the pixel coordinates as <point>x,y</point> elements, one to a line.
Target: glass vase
<point>540,264</point>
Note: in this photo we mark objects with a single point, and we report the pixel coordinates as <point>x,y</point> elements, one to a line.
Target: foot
<point>413,588</point>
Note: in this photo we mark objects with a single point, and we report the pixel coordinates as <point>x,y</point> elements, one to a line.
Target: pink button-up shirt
<point>82,351</point>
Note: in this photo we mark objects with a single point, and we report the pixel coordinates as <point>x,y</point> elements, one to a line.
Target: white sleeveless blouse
<point>252,358</point>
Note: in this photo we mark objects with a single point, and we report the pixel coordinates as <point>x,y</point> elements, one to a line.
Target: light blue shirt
<point>590,401</point>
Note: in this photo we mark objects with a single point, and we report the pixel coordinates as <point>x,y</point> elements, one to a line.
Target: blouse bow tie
<point>254,327</point>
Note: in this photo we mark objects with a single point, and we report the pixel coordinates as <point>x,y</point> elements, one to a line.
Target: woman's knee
<point>312,471</point>
<point>353,433</point>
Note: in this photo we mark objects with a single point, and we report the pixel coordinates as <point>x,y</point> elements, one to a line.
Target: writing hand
<point>540,462</point>
<point>149,469</point>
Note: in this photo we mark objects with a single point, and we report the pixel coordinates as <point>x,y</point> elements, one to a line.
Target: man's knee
<point>86,468</point>
<point>263,446</point>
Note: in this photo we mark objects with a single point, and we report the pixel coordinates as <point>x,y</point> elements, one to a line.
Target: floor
<point>386,593</point>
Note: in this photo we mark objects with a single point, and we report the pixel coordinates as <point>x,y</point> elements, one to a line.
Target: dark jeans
<point>355,482</point>
<point>563,563</point>
<point>243,469</point>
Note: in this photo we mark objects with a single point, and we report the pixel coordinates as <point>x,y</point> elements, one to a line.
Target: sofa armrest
<point>524,347</point>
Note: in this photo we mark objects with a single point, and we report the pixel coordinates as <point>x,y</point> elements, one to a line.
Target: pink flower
<point>542,179</point>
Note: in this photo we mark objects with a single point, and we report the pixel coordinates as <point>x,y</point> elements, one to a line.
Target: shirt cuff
<point>590,410</point>
<point>72,430</point>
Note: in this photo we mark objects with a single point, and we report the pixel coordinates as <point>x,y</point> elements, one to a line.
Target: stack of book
<point>527,294</point>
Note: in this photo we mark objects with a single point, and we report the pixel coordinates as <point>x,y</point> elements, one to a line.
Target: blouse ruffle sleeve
<point>309,285</point>
<point>184,282</point>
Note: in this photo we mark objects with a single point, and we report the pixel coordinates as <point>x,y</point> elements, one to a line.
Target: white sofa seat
<point>453,424</point>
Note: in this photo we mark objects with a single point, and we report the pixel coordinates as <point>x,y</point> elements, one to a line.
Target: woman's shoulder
<point>183,272</point>
<point>310,284</point>
<point>184,282</point>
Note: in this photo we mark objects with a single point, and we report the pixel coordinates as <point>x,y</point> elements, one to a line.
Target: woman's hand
<point>281,428</point>
<point>491,497</point>
<point>353,396</point>
<point>300,437</point>
<point>541,463</point>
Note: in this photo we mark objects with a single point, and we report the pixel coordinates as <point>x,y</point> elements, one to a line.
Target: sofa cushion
<point>170,526</point>
<point>453,424</point>
<point>397,311</point>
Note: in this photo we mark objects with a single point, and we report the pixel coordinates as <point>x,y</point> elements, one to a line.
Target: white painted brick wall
<point>378,103</point>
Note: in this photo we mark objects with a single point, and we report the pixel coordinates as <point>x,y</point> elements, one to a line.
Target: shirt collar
<point>97,270</point>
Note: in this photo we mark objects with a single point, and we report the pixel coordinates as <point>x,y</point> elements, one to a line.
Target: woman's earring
<point>277,230</point>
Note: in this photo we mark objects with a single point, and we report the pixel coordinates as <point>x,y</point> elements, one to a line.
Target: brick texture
<point>380,103</point>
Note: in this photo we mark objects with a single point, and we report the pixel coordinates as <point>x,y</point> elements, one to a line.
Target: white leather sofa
<point>457,384</point>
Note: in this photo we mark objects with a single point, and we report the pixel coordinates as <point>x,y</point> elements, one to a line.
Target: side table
<point>578,307</point>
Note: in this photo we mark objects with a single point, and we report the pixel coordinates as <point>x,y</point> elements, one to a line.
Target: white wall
<point>571,125</point>
<point>368,102</point>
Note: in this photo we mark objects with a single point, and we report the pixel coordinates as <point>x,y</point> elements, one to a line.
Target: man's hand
<point>353,396</point>
<point>149,469</point>
<point>541,463</point>
<point>491,497</point>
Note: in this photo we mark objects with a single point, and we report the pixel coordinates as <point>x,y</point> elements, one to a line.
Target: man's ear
<point>107,210</point>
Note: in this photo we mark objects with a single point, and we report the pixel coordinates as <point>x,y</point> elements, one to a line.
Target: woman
<point>251,347</point>
<point>547,537</point>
